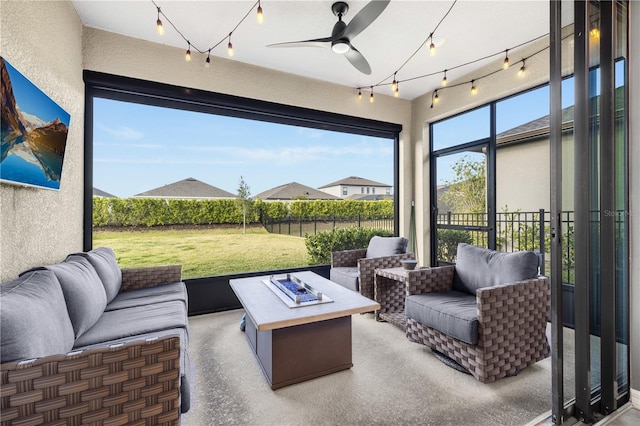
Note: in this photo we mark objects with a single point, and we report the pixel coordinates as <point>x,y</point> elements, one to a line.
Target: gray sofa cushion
<point>452,312</point>
<point>127,322</point>
<point>386,246</point>
<point>104,261</point>
<point>34,321</point>
<point>478,267</point>
<point>83,292</point>
<point>145,296</point>
<point>346,276</point>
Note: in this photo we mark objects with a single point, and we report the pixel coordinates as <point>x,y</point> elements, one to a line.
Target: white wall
<point>43,40</point>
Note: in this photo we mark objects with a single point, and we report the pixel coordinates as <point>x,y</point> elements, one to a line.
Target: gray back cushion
<point>83,292</point>
<point>478,267</point>
<point>386,246</point>
<point>33,317</point>
<point>103,260</point>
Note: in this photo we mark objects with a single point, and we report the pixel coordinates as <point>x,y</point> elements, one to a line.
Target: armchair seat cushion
<point>386,246</point>
<point>346,276</point>
<point>453,313</point>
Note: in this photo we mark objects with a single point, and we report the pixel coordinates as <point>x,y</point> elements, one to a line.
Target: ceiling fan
<point>340,39</point>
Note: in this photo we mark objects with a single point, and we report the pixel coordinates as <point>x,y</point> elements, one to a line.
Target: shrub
<point>320,246</point>
<point>448,240</point>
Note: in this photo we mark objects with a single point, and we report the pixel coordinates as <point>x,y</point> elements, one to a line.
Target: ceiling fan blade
<point>356,58</point>
<point>316,42</point>
<point>365,17</point>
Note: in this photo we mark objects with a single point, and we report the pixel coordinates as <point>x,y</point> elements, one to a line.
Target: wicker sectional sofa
<point>84,341</point>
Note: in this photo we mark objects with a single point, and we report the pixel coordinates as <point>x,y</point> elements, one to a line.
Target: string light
<point>371,99</point>
<point>522,69</point>
<point>259,15</point>
<point>444,79</point>
<point>359,94</point>
<point>394,85</point>
<point>207,62</point>
<point>230,46</point>
<point>505,64</point>
<point>159,26</point>
<point>432,47</point>
<point>395,92</point>
<point>474,90</point>
<point>187,56</point>
<point>436,99</point>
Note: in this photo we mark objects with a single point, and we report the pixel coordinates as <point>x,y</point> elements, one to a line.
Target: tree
<point>243,202</point>
<point>467,192</point>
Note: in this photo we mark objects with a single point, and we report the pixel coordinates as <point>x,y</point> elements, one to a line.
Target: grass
<point>205,252</point>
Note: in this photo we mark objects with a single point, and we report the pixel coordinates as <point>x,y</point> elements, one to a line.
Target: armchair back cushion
<point>478,267</point>
<point>386,246</point>
<point>34,321</point>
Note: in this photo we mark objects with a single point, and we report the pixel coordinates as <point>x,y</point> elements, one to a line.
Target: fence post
<point>315,225</point>
<point>542,247</point>
<point>448,218</point>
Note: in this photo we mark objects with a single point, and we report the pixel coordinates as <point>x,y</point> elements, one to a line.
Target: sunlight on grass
<point>205,252</point>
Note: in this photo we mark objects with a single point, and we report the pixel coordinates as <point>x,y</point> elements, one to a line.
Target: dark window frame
<point>127,89</point>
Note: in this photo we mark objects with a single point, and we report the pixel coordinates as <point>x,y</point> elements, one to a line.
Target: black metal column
<point>582,194</point>
<point>491,182</point>
<point>555,109</point>
<point>608,353</point>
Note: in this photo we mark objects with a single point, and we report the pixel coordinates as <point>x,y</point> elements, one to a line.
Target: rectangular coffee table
<point>297,344</point>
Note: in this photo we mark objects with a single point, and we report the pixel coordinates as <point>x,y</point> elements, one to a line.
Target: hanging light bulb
<point>159,26</point>
<point>259,16</point>
<point>207,62</point>
<point>230,46</point>
<point>395,92</point>
<point>371,99</point>
<point>522,69</point>
<point>474,90</point>
<point>187,56</point>
<point>444,79</point>
<point>594,33</point>
<point>432,47</point>
<point>394,85</point>
<point>359,94</point>
<point>505,64</point>
<point>436,99</point>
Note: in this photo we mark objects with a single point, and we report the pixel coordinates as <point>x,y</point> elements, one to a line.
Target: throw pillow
<point>103,260</point>
<point>478,267</point>
<point>34,321</point>
<point>83,291</point>
<point>386,246</point>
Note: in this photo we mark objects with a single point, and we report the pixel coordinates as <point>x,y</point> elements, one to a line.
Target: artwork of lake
<point>33,132</point>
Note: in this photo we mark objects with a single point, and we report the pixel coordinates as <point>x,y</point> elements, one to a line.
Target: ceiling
<point>472,30</point>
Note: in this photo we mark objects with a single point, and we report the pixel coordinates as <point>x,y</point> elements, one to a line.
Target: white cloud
<point>121,132</point>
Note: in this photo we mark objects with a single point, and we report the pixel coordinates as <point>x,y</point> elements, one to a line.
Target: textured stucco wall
<point>43,40</point>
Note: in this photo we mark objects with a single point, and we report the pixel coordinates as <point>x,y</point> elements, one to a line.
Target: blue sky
<point>32,100</point>
<point>139,147</point>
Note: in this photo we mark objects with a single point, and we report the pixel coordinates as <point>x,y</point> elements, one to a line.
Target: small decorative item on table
<point>409,264</point>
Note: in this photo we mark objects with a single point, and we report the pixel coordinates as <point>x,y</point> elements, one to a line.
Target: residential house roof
<point>186,188</point>
<point>100,193</point>
<point>295,190</point>
<point>355,181</point>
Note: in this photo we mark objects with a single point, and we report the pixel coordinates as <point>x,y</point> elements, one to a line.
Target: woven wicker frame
<point>366,266</point>
<point>135,384</point>
<point>150,276</point>
<point>512,322</point>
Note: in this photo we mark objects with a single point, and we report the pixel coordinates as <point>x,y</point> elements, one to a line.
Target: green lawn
<point>205,252</point>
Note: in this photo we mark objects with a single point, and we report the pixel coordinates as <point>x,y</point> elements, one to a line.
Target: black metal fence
<point>300,227</point>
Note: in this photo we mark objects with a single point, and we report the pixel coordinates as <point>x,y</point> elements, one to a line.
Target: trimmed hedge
<point>321,245</point>
<point>160,211</point>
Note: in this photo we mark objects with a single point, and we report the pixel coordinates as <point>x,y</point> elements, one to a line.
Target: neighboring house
<point>355,187</point>
<point>100,193</point>
<point>189,188</point>
<point>294,191</point>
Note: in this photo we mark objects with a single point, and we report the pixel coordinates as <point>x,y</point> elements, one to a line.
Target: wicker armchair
<point>511,324</point>
<point>355,269</point>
